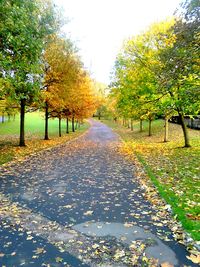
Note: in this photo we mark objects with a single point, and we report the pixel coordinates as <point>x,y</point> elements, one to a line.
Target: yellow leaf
<point>166,264</point>
<point>194,259</point>
<point>89,212</point>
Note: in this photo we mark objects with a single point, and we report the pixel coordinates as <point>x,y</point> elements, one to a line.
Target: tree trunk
<point>3,118</point>
<point>185,130</point>
<point>99,116</point>
<point>46,135</point>
<point>76,125</point>
<point>67,125</point>
<point>192,123</point>
<point>8,117</point>
<point>141,125</point>
<point>73,129</point>
<point>131,124</point>
<point>150,130</point>
<point>22,119</point>
<point>166,129</point>
<point>60,126</point>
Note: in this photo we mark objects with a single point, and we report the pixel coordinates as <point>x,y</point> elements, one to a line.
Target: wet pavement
<point>79,204</point>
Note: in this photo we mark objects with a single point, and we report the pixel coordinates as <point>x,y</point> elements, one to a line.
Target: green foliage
<point>24,26</point>
<point>157,72</point>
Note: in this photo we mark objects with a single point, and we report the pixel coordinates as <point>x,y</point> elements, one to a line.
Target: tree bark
<point>3,118</point>
<point>60,126</point>
<point>76,125</point>
<point>166,129</point>
<point>73,129</point>
<point>131,124</point>
<point>22,119</point>
<point>67,125</point>
<point>192,123</point>
<point>99,116</point>
<point>141,125</point>
<point>185,130</point>
<point>150,128</point>
<point>46,135</point>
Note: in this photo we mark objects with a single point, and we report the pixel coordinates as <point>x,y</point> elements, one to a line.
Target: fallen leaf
<point>166,264</point>
<point>194,259</point>
<point>89,212</point>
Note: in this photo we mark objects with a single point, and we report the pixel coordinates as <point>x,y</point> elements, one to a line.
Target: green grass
<point>34,126</point>
<point>34,135</point>
<point>174,170</point>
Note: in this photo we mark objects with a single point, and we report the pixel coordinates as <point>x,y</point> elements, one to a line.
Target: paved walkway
<point>79,205</point>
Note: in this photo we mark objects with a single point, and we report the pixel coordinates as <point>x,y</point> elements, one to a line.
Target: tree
<point>100,92</point>
<point>180,66</point>
<point>23,29</point>
<point>68,88</point>
<point>158,71</point>
<point>60,72</point>
<point>135,79</point>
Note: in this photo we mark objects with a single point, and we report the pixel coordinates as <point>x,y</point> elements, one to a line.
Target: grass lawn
<point>174,170</point>
<point>34,135</point>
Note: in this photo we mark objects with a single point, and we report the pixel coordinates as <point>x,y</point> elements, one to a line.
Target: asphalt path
<point>79,204</point>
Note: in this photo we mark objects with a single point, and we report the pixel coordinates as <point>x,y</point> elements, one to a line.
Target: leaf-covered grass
<point>174,170</point>
<point>34,135</point>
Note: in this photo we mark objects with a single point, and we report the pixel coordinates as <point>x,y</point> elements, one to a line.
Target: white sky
<point>99,27</point>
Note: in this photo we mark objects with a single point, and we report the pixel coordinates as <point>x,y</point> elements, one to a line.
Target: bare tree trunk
<point>166,129</point>
<point>60,126</point>
<point>185,130</point>
<point>131,124</point>
<point>150,128</point>
<point>76,124</point>
<point>22,120</point>
<point>46,135</point>
<point>141,125</point>
<point>67,125</point>
<point>192,123</point>
<point>73,129</point>
<point>3,118</point>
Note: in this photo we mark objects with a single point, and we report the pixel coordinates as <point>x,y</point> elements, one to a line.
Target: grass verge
<point>34,135</point>
<point>174,170</point>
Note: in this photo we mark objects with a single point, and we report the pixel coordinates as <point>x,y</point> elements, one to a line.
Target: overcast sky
<point>99,27</point>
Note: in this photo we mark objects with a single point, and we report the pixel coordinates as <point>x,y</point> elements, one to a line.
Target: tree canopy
<point>157,72</point>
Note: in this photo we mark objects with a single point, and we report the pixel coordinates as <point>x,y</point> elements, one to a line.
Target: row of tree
<point>157,72</point>
<point>38,67</point>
